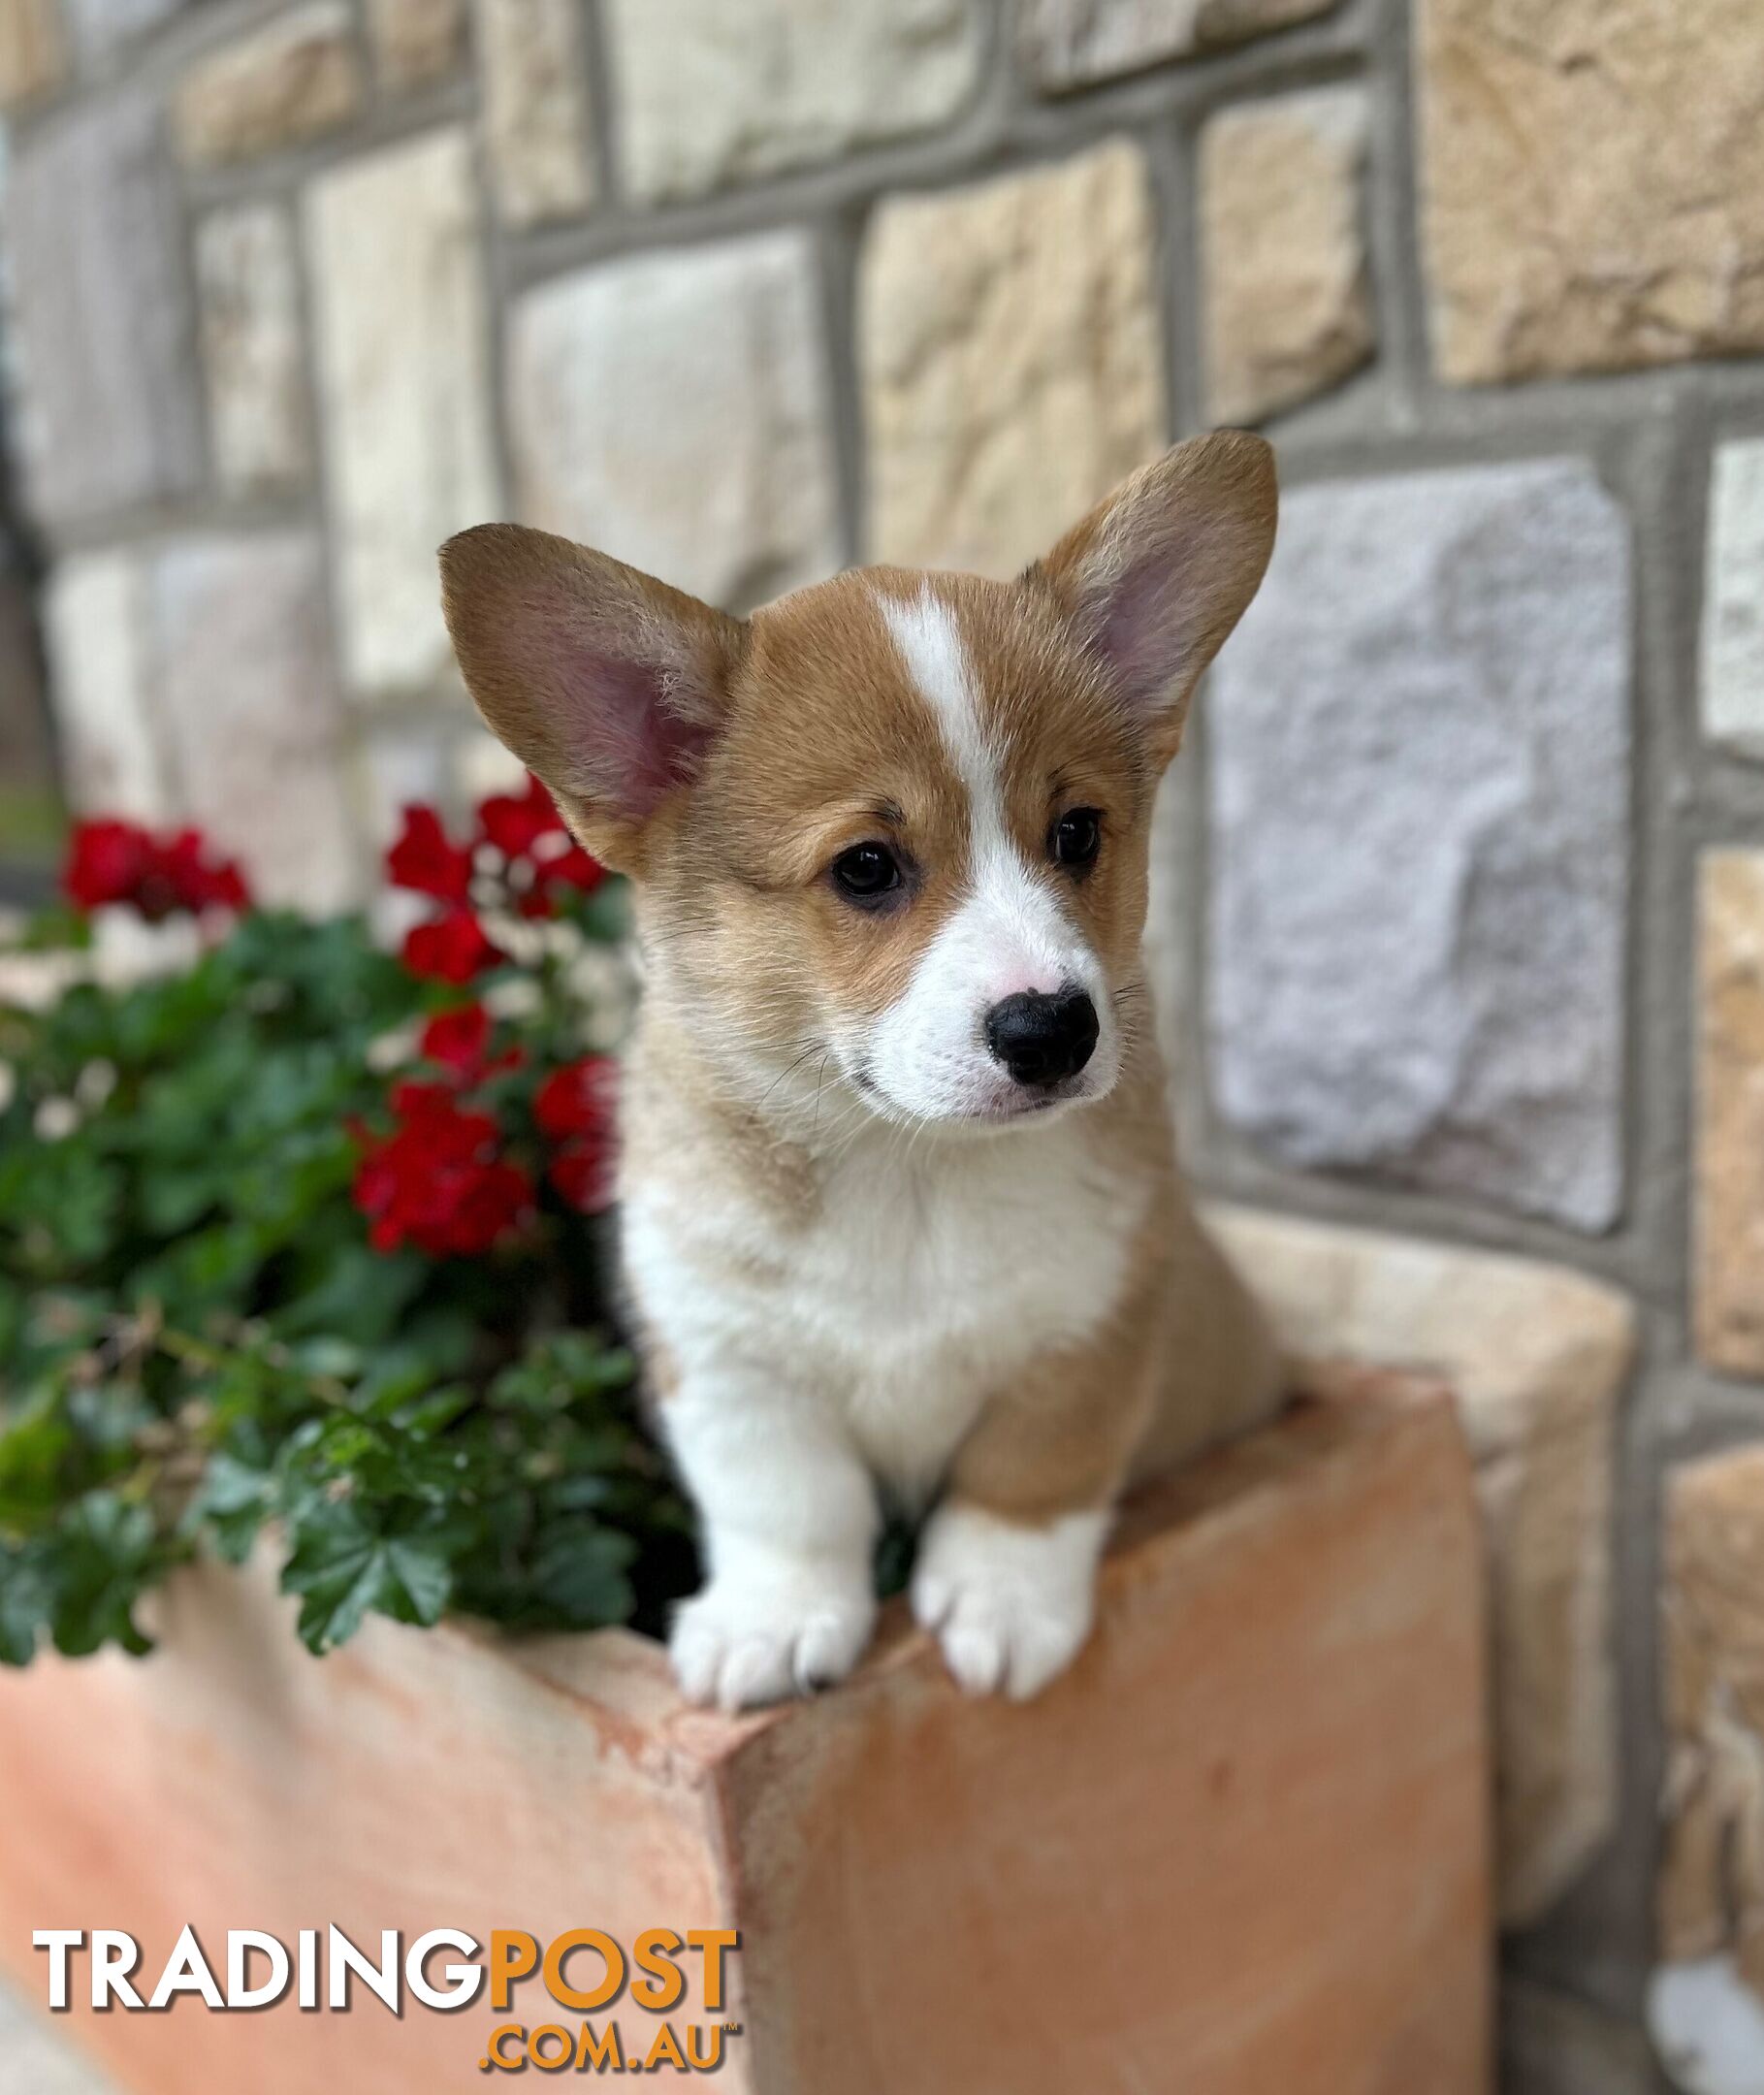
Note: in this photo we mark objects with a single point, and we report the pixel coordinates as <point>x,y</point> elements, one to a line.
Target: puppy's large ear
<point>1156,576</point>
<point>605,682</point>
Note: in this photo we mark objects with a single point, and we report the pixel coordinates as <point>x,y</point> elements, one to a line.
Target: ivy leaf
<point>24,1604</point>
<point>342,1569</point>
<point>104,1554</point>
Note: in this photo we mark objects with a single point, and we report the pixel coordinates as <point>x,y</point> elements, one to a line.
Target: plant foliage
<point>306,1243</point>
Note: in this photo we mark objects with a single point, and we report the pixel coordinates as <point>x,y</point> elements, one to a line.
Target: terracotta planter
<point>1243,1850</point>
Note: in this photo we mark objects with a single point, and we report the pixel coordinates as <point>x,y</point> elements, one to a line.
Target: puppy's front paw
<point>755,1636</point>
<point>1012,1605</point>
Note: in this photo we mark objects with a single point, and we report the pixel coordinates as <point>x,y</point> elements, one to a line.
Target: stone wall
<point>1462,896</point>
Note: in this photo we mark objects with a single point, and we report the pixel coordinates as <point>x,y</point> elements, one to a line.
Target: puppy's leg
<point>788,1526</point>
<point>1006,1567</point>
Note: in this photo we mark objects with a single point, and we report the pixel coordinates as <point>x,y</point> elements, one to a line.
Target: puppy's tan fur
<point>727,767</point>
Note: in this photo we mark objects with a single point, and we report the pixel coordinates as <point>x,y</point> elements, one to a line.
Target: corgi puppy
<point>899,1208</point>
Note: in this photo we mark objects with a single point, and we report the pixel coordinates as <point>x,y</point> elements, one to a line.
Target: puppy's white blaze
<point>930,643</point>
<point>1009,932</point>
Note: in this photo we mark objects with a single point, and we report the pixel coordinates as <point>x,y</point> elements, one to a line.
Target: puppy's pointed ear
<point>603,681</point>
<point>1156,576</point>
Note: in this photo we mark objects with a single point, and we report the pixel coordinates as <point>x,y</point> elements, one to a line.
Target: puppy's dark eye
<point>1078,837</point>
<point>866,872</point>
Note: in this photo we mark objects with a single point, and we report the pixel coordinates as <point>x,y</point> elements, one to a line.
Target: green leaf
<point>230,1505</point>
<point>196,1338</point>
<point>57,927</point>
<point>580,1571</point>
<point>104,1554</point>
<point>24,1606</point>
<point>606,914</point>
<point>353,1293</point>
<point>342,1569</point>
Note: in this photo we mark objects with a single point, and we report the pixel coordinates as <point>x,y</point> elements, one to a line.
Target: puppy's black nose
<point>1041,1038</point>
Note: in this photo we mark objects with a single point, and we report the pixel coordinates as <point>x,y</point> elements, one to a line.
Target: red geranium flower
<point>439,1181</point>
<point>427,862</point>
<point>450,949</point>
<point>491,1202</point>
<point>118,861</point>
<point>582,1172</point>
<point>514,823</point>
<point>199,881</point>
<point>106,862</point>
<point>578,1099</point>
<point>454,1133</point>
<point>457,1039</point>
<point>527,828</point>
<point>573,868</point>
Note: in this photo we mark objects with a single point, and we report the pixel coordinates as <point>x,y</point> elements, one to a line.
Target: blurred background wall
<point>1462,901</point>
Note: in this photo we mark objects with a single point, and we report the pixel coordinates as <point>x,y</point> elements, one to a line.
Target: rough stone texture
<point>401,350</point>
<point>32,52</point>
<point>295,79</point>
<point>246,279</point>
<point>1241,1849</point>
<point>1419,746</point>
<point>1732,600</point>
<point>1711,1873</point>
<point>416,42</point>
<point>711,94</point>
<point>1592,182</point>
<point>535,108</point>
<point>1011,360</point>
<point>1068,43</point>
<point>101,314</point>
<point>1536,1355</point>
<point>1287,292</point>
<point>1729,1236</point>
<point>195,685</point>
<point>672,411</point>
<point>247,701</point>
<point>99,646</point>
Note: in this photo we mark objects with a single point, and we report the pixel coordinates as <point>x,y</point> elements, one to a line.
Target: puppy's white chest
<point>969,1257</point>
<point>923,1288</point>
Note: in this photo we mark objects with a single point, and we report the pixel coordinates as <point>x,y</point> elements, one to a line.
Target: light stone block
<point>1072,43</point>
<point>1285,282</point>
<point>711,94</point>
<point>1592,183</point>
<point>252,349</point>
<point>535,108</point>
<point>416,42</point>
<point>1536,1355</point>
<point>672,411</point>
<point>1011,359</point>
<point>1706,2004</point>
<point>297,78</point>
<point>393,243</point>
<point>1419,748</point>
<point>1732,600</point>
<point>100,653</point>
<point>249,708</point>
<point>1728,1251</point>
<point>101,319</point>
